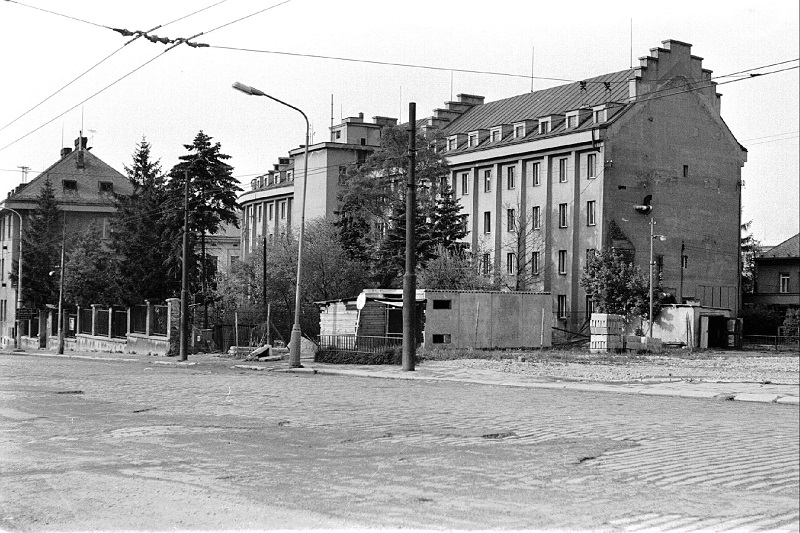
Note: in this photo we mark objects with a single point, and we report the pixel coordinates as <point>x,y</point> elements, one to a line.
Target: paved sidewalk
<point>453,371</point>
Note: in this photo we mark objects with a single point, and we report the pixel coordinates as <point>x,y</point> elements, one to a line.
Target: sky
<point>140,90</point>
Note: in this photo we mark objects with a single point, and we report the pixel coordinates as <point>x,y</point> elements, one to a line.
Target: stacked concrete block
<point>606,333</point>
<point>634,343</point>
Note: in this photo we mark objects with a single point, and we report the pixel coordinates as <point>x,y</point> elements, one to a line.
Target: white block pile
<point>606,333</point>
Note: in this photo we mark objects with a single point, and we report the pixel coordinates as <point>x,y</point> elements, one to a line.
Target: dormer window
<point>106,186</point>
<point>599,115</point>
<point>496,134</point>
<point>452,143</point>
<point>544,126</point>
<point>70,185</point>
<point>337,135</point>
<point>572,120</point>
<point>472,140</point>
<point>519,131</point>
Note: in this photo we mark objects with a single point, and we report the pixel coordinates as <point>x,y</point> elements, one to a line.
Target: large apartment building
<point>587,165</point>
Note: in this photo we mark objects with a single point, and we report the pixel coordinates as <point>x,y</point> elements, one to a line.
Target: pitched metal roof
<point>788,248</point>
<point>555,100</point>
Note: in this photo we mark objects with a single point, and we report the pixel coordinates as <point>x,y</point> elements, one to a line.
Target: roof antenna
<point>331,111</point>
<point>24,170</point>
<point>532,54</point>
<point>631,42</point>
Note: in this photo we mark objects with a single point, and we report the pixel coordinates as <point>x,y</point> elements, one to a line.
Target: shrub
<point>761,320</point>
<point>391,355</point>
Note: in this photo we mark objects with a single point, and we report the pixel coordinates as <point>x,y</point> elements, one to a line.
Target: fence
<point>771,342</point>
<point>72,322</point>
<point>159,325</point>
<point>224,335</point>
<point>85,322</point>
<point>352,343</point>
<point>119,324</point>
<point>139,319</point>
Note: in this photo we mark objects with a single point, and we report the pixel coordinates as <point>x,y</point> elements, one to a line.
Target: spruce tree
<point>88,274</point>
<point>41,243</point>
<point>448,225</point>
<point>391,257</point>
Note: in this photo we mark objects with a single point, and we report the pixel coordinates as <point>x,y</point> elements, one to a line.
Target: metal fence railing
<point>119,323</point>
<point>85,326</point>
<point>771,342</point>
<point>101,322</point>
<point>139,319</point>
<point>159,325</point>
<point>362,344</point>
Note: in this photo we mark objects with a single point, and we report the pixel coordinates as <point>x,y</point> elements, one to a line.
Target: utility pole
<point>409,277</point>
<point>264,281</point>
<point>184,338</point>
<point>61,289</point>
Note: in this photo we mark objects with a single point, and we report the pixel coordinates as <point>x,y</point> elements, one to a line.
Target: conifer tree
<point>88,274</point>
<point>41,243</point>
<point>448,222</point>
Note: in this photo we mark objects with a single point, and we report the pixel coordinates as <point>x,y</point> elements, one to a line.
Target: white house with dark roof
<point>84,187</point>
<point>548,177</point>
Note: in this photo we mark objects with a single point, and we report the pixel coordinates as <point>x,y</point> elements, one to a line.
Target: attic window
<point>472,140</point>
<point>337,134</point>
<point>452,143</point>
<point>106,186</point>
<point>544,126</point>
<point>519,131</point>
<point>572,121</point>
<point>496,135</point>
<point>70,185</point>
<point>599,115</point>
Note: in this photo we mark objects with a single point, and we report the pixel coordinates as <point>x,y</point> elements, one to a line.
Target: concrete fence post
<point>173,324</point>
<point>94,319</point>
<point>148,321</point>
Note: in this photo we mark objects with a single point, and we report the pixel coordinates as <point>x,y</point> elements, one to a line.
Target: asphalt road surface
<point>102,445</point>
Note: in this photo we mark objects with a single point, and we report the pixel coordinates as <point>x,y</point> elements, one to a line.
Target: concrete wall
<point>338,318</point>
<point>680,324</point>
<point>484,319</point>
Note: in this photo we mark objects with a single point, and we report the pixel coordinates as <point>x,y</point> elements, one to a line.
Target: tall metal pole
<point>18,336</point>
<point>650,285</point>
<point>184,338</point>
<point>294,342</point>
<point>410,277</point>
<point>61,289</point>
<point>264,280</point>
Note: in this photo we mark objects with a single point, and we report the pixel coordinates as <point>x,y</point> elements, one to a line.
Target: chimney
<point>80,143</point>
<point>65,152</point>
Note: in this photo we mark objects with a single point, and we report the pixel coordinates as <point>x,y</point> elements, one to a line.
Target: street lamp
<point>294,342</point>
<point>652,238</point>
<point>18,336</point>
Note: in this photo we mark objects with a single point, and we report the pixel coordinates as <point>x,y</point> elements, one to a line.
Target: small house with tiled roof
<point>84,187</point>
<point>777,276</point>
<point>546,178</point>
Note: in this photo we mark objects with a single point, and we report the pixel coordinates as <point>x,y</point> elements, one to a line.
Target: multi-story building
<point>547,178</point>
<point>84,187</point>
<point>269,207</point>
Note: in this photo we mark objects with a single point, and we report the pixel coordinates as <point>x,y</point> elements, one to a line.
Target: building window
<point>519,131</point>
<point>562,306</point>
<point>441,338</point>
<point>283,210</point>
<point>495,135</point>
<point>452,143</point>
<point>562,215</point>
<point>106,186</point>
<point>464,183</point>
<point>443,304</point>
<point>535,177</point>
<point>465,223</point>
<point>572,121</point>
<point>270,211</point>
<point>784,282</point>
<point>486,264</point>
<point>511,177</point>
<point>536,217</point>
<point>511,219</point>
<point>472,139</point>
<point>685,171</point>
<point>562,262</point>
<point>511,262</point>
<point>684,261</point>
<point>70,185</point>
<point>487,181</point>
<point>589,307</point>
<point>562,170</point>
<point>535,263</point>
<point>106,229</point>
<point>544,127</point>
<point>487,222</point>
<point>590,221</point>
<point>260,211</point>
<point>591,166</point>
<point>599,115</point>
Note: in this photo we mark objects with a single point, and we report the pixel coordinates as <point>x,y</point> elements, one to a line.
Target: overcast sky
<point>188,89</point>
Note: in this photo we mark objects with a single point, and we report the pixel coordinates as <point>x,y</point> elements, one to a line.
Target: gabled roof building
<point>777,276</point>
<point>84,187</point>
<point>547,178</point>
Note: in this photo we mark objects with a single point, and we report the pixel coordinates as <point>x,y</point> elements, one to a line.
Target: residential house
<point>84,187</point>
<point>777,276</point>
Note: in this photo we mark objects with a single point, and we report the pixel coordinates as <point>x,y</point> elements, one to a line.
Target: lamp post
<point>650,286</point>
<point>18,336</point>
<point>294,342</point>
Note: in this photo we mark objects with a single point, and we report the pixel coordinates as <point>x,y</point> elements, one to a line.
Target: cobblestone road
<point>114,445</point>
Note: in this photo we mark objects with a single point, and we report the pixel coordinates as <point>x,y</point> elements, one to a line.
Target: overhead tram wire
<point>59,14</point>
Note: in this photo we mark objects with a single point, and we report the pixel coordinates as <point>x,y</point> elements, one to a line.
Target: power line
<point>247,16</point>
<point>60,14</point>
